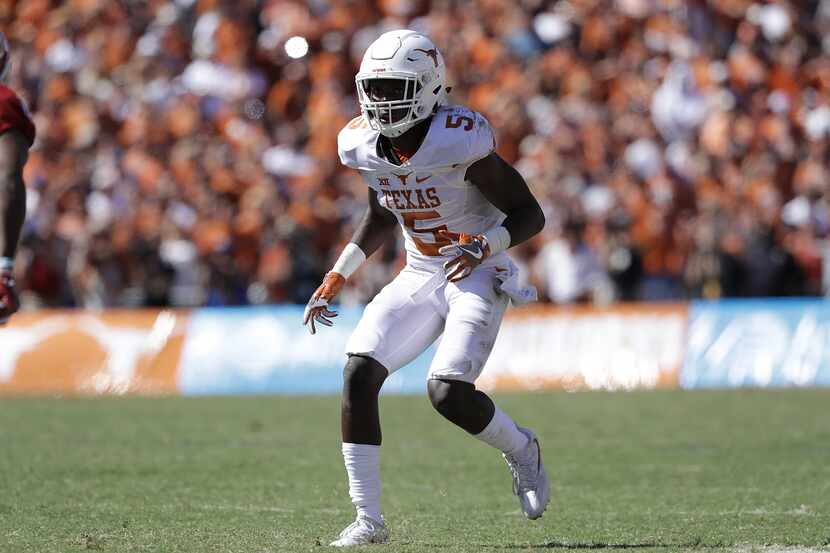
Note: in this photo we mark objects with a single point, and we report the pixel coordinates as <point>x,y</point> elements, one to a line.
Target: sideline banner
<point>267,350</point>
<point>619,348</point>
<point>758,343</point>
<point>82,352</point>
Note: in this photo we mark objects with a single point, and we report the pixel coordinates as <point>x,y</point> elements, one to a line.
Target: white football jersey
<point>428,192</point>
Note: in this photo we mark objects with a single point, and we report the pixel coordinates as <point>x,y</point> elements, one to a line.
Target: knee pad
<point>363,375</point>
<point>448,396</point>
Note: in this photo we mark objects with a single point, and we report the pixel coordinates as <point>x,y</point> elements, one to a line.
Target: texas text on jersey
<point>428,193</point>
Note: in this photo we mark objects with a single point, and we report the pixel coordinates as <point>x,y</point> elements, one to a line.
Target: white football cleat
<point>530,481</point>
<point>362,531</point>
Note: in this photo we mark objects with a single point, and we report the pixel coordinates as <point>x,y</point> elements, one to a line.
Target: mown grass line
<point>643,471</point>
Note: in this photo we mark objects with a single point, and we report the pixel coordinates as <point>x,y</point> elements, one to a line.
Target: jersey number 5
<point>426,248</point>
<point>455,123</point>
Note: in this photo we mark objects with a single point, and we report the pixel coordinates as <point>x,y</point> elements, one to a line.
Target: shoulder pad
<point>459,137</point>
<point>356,144</point>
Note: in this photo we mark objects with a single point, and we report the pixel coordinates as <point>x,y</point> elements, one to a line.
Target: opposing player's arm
<point>14,151</point>
<point>505,188</point>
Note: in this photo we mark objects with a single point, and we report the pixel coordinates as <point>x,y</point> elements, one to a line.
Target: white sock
<point>363,467</point>
<point>503,434</point>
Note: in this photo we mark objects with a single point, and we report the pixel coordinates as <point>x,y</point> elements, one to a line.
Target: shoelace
<point>359,523</point>
<point>348,529</point>
<point>525,471</point>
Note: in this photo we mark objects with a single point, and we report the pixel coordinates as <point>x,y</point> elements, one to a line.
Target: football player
<point>432,169</point>
<point>17,134</point>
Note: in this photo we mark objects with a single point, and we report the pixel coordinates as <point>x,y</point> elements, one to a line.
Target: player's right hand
<point>9,304</point>
<point>317,308</point>
<point>466,252</point>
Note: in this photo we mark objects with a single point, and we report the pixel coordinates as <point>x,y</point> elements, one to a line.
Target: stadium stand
<point>186,150</point>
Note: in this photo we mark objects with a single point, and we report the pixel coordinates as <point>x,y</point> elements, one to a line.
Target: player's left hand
<point>317,308</point>
<point>467,252</point>
<point>9,304</point>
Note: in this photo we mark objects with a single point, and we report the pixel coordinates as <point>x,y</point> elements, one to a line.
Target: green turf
<point>654,471</point>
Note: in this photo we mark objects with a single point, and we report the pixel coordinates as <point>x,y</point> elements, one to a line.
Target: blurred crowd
<point>186,150</point>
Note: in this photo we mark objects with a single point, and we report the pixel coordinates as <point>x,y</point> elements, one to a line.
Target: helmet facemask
<point>391,114</point>
<point>400,81</point>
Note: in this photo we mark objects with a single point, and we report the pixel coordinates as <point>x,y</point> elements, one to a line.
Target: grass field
<point>653,471</point>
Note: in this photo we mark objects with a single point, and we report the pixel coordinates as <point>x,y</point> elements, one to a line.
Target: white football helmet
<point>5,58</point>
<point>412,58</point>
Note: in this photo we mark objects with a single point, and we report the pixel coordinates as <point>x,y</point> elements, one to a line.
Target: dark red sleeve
<point>14,116</point>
